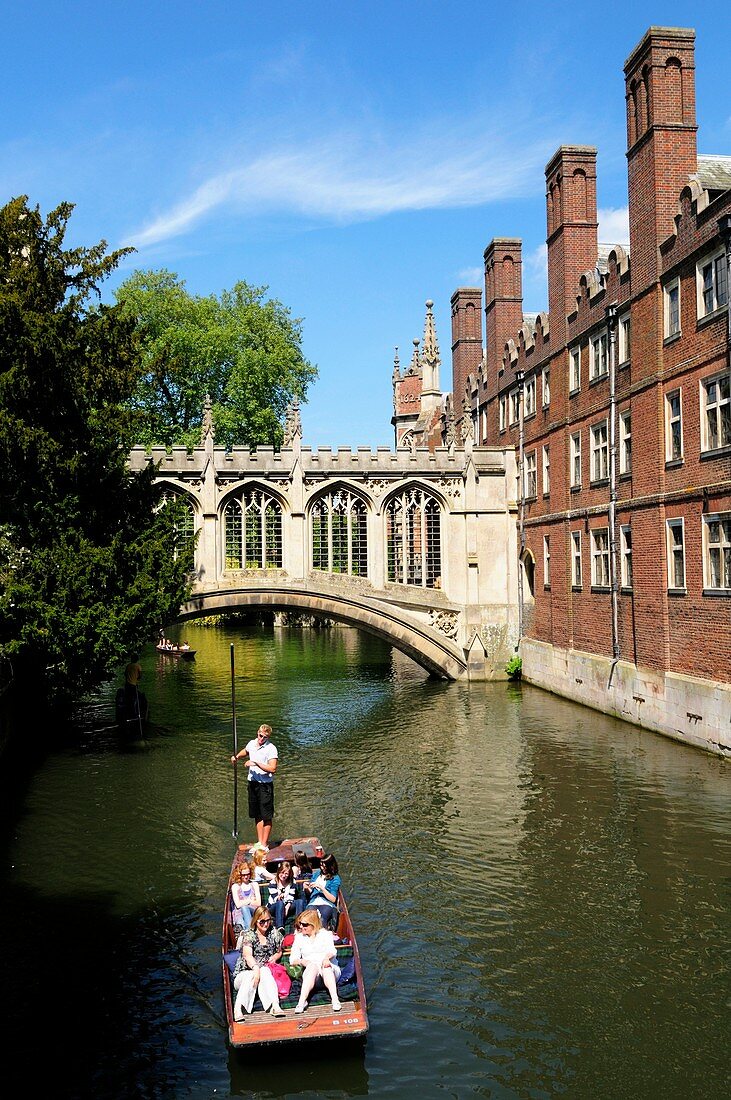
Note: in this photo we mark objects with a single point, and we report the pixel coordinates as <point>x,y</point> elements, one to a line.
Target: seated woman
<point>245,895</point>
<point>302,866</point>
<point>322,891</point>
<point>261,944</point>
<point>314,948</point>
<point>258,861</point>
<point>283,901</point>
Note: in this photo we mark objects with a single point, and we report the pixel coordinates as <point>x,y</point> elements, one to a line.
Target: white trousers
<point>246,991</point>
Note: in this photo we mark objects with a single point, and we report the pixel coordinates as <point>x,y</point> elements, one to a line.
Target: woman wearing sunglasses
<point>261,944</point>
<point>314,948</point>
<point>245,894</point>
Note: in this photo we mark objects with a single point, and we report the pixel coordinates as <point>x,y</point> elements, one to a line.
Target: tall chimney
<point>466,338</point>
<point>661,141</point>
<point>572,229</point>
<point>503,300</point>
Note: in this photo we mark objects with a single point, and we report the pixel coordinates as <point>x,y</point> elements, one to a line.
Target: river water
<point>540,892</point>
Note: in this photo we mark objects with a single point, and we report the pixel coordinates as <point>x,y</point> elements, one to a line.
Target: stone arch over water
<point>436,653</point>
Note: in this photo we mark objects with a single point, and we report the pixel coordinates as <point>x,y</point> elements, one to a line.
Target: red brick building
<point>617,400</point>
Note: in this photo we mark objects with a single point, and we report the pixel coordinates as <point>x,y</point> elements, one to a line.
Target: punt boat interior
<point>319,1020</point>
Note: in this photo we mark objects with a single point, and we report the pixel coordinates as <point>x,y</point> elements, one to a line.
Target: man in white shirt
<point>262,764</point>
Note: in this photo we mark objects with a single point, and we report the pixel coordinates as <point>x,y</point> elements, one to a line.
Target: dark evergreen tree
<point>89,566</point>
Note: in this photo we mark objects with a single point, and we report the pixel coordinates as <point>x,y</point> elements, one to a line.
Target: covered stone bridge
<point>416,547</point>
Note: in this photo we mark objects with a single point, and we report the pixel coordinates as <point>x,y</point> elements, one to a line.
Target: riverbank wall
<point>686,708</point>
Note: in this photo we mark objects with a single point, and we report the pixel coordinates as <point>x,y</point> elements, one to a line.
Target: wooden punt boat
<point>318,1021</point>
<point>186,654</point>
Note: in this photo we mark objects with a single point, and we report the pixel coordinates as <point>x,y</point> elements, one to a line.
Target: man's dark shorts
<point>261,800</point>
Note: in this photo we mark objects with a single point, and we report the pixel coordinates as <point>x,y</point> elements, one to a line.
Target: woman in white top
<point>245,894</point>
<point>314,948</point>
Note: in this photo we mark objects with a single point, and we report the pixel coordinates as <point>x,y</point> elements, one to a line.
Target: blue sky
<point>355,157</point>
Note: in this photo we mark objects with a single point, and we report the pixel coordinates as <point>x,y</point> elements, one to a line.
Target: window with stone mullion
<point>358,539</point>
<point>320,539</point>
<point>413,530</point>
<point>254,542</point>
<point>395,541</point>
<point>233,525</point>
<point>339,542</point>
<point>272,536</point>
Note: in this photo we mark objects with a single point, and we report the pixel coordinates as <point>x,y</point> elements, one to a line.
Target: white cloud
<point>342,181</point>
<point>614,225</point>
<point>537,262</point>
<point>471,276</point>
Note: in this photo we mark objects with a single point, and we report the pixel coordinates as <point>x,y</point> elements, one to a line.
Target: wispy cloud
<point>614,225</point>
<point>537,261</point>
<point>471,276</point>
<point>340,180</point>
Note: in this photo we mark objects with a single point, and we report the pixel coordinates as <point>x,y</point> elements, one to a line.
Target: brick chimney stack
<point>572,229</point>
<point>503,300</point>
<point>661,140</point>
<point>466,338</point>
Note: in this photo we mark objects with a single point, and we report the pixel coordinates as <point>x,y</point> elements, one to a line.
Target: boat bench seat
<point>347,986</point>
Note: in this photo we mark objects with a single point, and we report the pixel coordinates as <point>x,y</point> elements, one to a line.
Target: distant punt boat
<point>175,652</point>
<point>318,1021</point>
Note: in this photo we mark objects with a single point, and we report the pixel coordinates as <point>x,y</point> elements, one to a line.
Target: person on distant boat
<point>261,944</point>
<point>245,894</point>
<point>283,901</point>
<point>314,948</point>
<point>322,890</point>
<point>262,764</point>
<point>184,647</point>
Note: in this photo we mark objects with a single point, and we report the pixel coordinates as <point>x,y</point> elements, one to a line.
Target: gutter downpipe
<point>724,229</point>
<point>520,379</point>
<point>611,315</point>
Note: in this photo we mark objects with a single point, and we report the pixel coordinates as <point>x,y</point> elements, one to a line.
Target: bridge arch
<point>435,652</point>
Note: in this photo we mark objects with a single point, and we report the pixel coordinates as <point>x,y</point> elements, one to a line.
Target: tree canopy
<point>241,349</point>
<point>89,565</point>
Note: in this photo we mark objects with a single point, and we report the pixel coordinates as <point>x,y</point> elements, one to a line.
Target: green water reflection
<point>540,893</point>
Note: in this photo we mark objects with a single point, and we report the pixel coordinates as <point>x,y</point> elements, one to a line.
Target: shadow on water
<point>328,1068</point>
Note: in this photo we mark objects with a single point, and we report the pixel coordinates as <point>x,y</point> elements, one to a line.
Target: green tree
<point>88,562</point>
<point>242,349</point>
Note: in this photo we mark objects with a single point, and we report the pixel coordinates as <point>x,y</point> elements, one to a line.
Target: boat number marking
<point>351,1020</point>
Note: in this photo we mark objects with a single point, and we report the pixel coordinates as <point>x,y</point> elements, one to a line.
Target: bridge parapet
<point>344,460</point>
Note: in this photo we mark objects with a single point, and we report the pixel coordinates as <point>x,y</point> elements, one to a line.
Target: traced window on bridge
<point>184,524</point>
<point>339,534</point>
<point>253,525</point>
<point>413,539</point>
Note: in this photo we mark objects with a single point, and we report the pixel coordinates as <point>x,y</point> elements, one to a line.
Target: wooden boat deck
<point>318,1021</point>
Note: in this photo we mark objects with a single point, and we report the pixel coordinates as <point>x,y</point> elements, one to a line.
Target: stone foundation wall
<point>686,708</point>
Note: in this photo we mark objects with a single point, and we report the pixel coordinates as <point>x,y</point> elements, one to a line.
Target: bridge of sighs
<point>414,546</point>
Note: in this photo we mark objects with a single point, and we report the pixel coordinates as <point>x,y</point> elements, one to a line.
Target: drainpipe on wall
<point>611,315</point>
<point>724,228</point>
<point>520,379</point>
